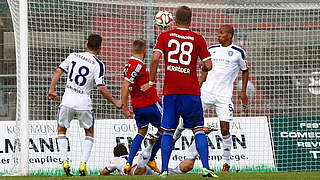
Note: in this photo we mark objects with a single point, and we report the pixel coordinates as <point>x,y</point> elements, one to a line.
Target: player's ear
<point>87,45</point>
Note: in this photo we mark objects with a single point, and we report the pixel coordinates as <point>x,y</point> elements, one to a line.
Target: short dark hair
<point>120,150</point>
<point>138,46</point>
<point>94,41</point>
<point>183,15</point>
<point>228,28</point>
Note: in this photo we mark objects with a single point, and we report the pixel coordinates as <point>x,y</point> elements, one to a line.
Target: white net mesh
<point>282,41</point>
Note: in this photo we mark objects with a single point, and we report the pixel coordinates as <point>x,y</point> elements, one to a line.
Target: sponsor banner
<point>296,143</point>
<point>251,148</point>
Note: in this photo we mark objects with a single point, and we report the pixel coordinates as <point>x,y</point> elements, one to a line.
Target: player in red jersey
<point>181,49</point>
<point>146,105</point>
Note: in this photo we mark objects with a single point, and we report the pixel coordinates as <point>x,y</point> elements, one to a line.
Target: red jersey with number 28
<point>181,48</point>
<point>136,73</point>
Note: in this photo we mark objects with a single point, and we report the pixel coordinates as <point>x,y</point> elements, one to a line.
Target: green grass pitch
<point>314,175</point>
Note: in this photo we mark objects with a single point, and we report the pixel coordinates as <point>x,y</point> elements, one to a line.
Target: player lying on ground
<point>141,167</point>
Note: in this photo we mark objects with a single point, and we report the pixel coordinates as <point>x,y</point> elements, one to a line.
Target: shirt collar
<point>132,57</point>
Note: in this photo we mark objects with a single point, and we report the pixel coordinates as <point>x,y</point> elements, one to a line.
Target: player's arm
<point>104,172</point>
<point>154,65</point>
<point>203,77</point>
<point>124,98</point>
<point>106,94</point>
<point>243,93</point>
<point>52,94</point>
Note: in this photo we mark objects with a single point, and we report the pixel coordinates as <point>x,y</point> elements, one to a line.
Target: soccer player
<point>181,48</point>
<point>83,71</point>
<point>140,166</point>
<point>146,105</point>
<point>217,84</point>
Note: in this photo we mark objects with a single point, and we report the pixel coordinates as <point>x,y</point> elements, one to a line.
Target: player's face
<point>224,36</point>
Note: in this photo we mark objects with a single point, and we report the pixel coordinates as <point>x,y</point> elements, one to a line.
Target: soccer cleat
<point>153,166</point>
<point>225,168</point>
<point>66,168</point>
<point>164,174</point>
<point>208,173</point>
<point>127,168</point>
<point>83,168</point>
<point>152,138</point>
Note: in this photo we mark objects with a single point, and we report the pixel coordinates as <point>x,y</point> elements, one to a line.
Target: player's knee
<point>186,168</point>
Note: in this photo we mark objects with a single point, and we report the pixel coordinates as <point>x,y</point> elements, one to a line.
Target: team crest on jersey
<point>134,74</point>
<point>230,53</point>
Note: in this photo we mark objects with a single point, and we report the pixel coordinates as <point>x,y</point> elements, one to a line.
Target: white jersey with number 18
<point>84,70</point>
<point>226,62</point>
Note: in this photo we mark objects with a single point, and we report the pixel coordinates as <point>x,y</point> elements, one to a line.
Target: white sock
<point>63,146</point>
<point>175,170</point>
<point>192,151</point>
<point>227,143</point>
<point>178,131</point>
<point>144,157</point>
<point>87,146</point>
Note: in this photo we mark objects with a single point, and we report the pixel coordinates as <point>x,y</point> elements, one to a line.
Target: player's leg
<point>65,115</point>
<point>190,107</point>
<point>178,131</point>
<point>224,109</point>
<point>169,124</point>
<point>86,121</point>
<point>155,120</point>
<point>135,146</point>
<point>187,164</point>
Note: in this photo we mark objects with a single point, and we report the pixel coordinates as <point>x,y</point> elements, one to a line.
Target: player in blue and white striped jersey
<point>84,71</point>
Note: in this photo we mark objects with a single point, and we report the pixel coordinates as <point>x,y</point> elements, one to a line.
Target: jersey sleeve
<point>160,44</point>
<point>243,62</point>
<point>99,74</point>
<point>64,66</point>
<point>131,71</point>
<point>204,53</point>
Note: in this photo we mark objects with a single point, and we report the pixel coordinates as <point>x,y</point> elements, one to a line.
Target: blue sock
<point>202,148</point>
<point>166,149</point>
<point>135,146</point>
<point>155,148</point>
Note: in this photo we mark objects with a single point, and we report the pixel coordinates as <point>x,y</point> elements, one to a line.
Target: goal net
<point>278,131</point>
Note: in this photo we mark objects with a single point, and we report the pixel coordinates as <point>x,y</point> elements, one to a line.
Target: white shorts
<point>223,106</point>
<point>66,114</point>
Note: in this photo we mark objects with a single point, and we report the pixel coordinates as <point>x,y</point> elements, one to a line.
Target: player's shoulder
<point>239,50</point>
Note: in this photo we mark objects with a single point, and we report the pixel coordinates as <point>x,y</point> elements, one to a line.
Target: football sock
<point>63,145</point>
<point>156,147</point>
<point>135,146</point>
<point>144,157</point>
<point>202,147</point>
<point>178,131</point>
<point>227,143</point>
<point>87,147</point>
<point>166,149</point>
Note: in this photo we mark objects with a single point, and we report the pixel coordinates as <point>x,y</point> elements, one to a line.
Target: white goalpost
<point>279,132</point>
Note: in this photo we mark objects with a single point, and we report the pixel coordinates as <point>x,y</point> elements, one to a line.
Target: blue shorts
<point>189,107</point>
<point>151,114</point>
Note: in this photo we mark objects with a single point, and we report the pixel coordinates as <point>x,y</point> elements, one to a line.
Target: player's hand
<point>145,87</point>
<point>53,95</point>
<point>118,104</point>
<point>244,98</point>
<point>127,113</point>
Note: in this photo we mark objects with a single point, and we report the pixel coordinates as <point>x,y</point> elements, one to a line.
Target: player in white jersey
<point>84,71</point>
<point>140,166</point>
<point>217,85</point>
